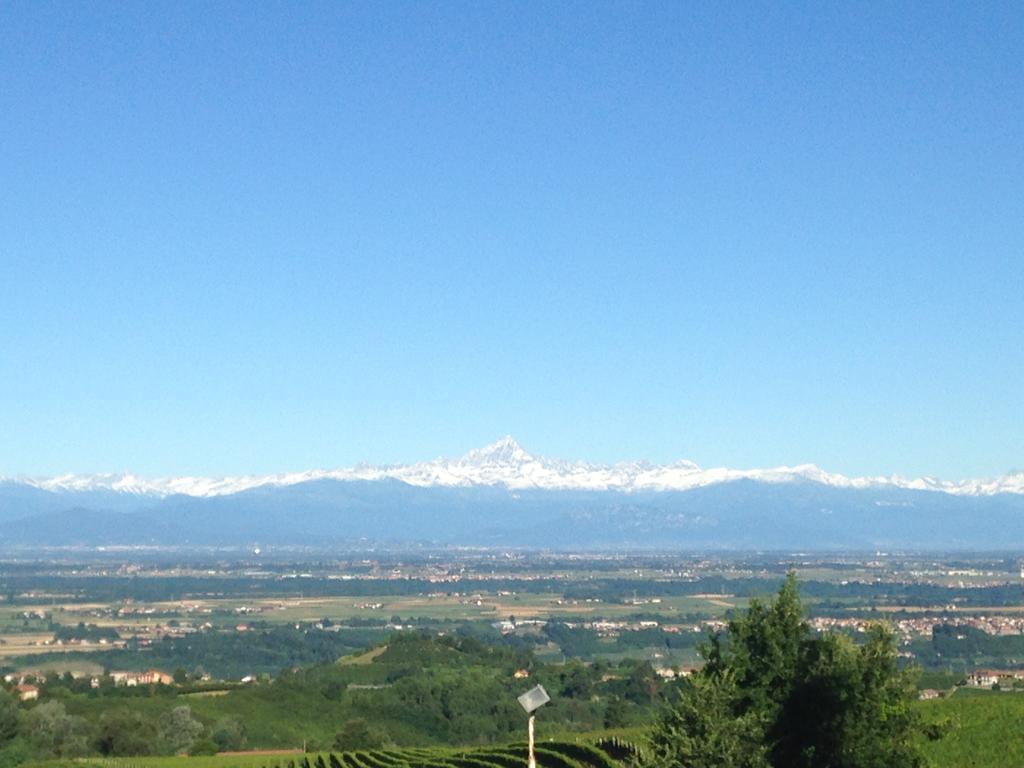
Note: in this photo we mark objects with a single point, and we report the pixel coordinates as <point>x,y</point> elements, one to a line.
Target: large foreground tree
<point>775,695</point>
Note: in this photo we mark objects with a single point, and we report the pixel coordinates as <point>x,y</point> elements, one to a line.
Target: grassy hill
<point>985,729</point>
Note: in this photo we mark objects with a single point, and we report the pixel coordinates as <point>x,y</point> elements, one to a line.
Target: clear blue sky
<point>269,236</point>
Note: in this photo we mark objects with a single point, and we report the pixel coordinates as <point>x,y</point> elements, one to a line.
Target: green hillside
<point>417,690</point>
<point>984,729</point>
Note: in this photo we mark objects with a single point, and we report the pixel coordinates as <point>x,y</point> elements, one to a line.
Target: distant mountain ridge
<point>505,463</point>
<point>502,496</point>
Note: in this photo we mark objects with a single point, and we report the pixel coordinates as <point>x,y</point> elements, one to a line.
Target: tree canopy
<point>773,694</point>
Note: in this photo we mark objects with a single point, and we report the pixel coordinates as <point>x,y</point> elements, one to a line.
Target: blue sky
<point>260,237</point>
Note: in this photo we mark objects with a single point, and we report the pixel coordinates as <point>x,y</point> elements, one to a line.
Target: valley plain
<point>274,651</point>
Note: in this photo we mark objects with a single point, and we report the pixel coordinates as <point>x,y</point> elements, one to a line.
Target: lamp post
<point>531,701</point>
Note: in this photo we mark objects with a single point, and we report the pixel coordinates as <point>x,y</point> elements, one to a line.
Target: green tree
<point>850,707</point>
<point>641,685</point>
<point>52,732</point>
<point>359,734</point>
<point>761,648</point>
<point>125,733</point>
<point>179,730</point>
<point>774,694</point>
<point>15,752</point>
<point>229,734</point>
<point>702,730</point>
<point>576,682</point>
<point>8,717</point>
<point>616,713</point>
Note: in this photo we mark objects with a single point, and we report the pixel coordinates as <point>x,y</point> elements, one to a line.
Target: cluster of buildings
<point>613,628</point>
<point>508,626</point>
<point>149,677</point>
<point>671,673</point>
<point>83,642</point>
<point>988,678</point>
<point>26,685</point>
<point>610,628</point>
<point>605,628</point>
<point>921,626</point>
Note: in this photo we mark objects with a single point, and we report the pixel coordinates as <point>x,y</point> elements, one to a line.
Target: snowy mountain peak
<point>505,451</point>
<point>507,464</point>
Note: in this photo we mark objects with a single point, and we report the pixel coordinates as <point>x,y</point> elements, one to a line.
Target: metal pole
<point>532,762</point>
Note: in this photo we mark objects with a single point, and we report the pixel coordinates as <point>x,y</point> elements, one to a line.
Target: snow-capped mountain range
<point>506,463</point>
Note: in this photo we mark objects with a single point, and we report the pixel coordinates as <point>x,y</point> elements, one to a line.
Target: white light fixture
<point>531,701</point>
